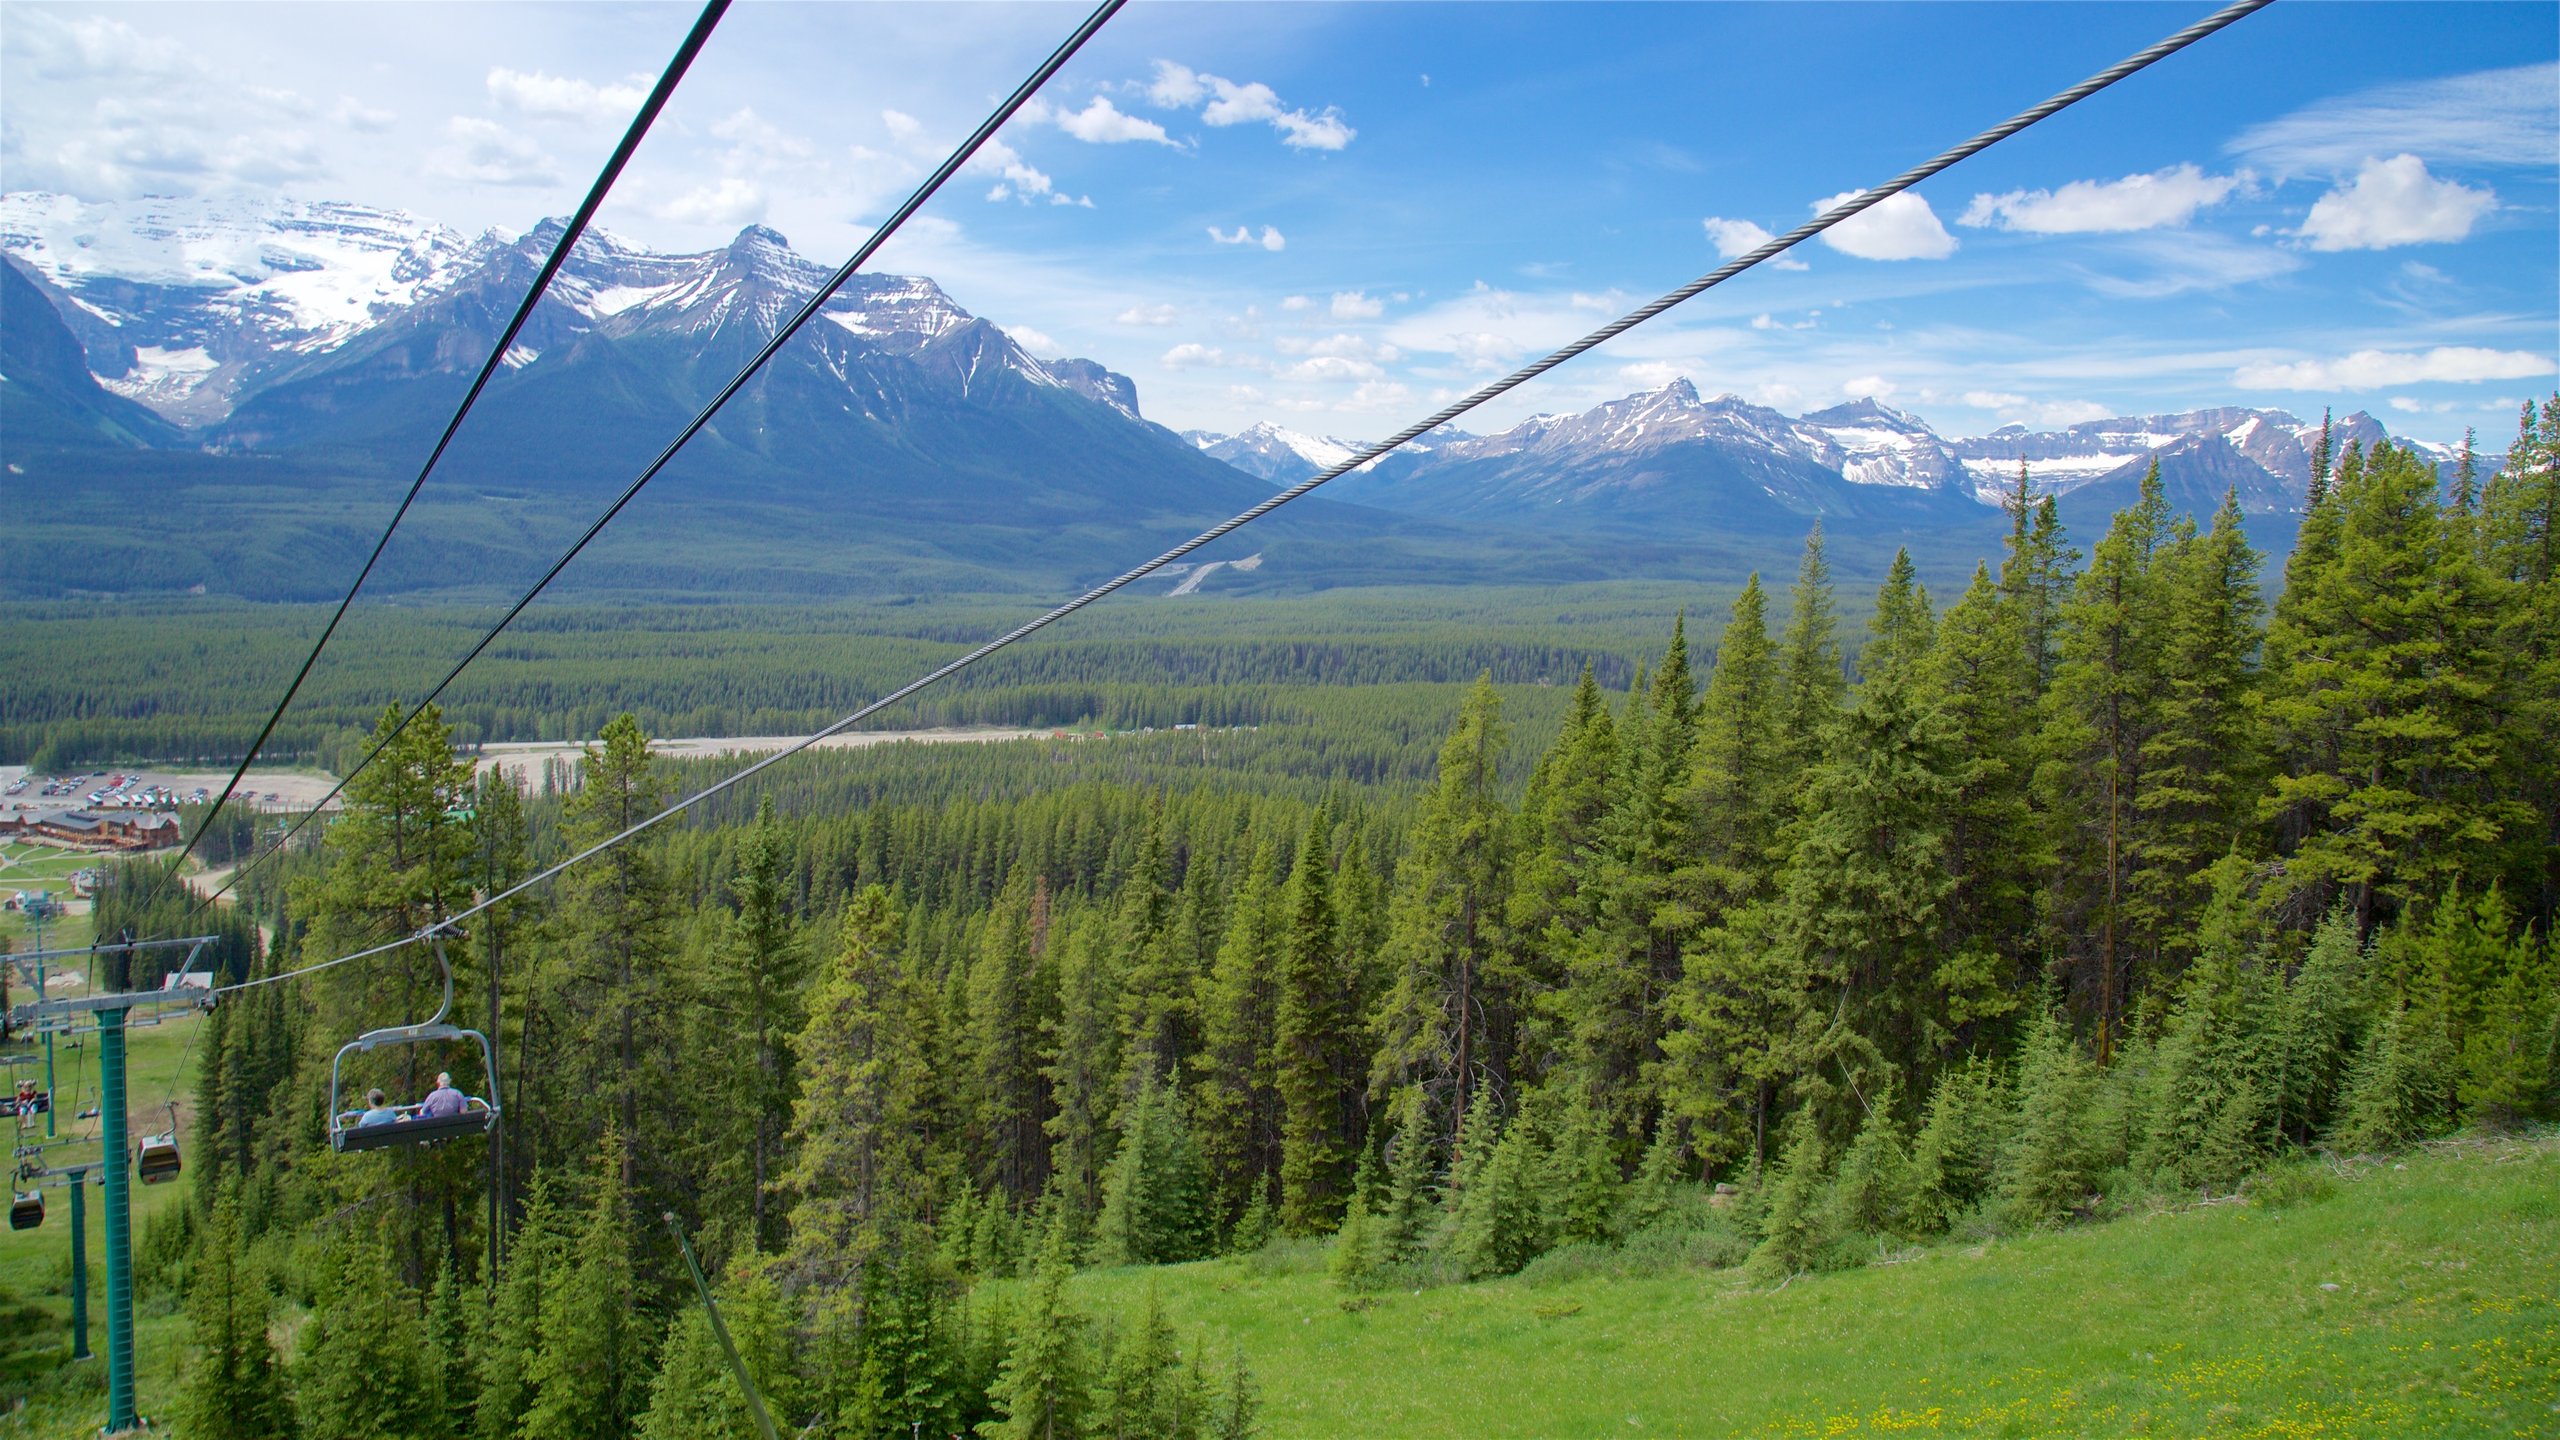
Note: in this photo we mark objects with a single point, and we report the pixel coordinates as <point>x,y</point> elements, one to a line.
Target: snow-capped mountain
<point>1274,453</point>
<point>184,304</point>
<point>1647,458</point>
<point>899,436</point>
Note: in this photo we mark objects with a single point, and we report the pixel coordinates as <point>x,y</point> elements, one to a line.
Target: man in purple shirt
<point>442,1102</point>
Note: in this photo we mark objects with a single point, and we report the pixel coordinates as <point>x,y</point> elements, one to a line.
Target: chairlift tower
<point>116,1160</point>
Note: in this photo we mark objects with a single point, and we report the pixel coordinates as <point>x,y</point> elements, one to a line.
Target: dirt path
<point>532,755</point>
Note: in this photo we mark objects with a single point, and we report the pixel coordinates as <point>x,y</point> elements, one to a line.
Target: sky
<point>1336,217</point>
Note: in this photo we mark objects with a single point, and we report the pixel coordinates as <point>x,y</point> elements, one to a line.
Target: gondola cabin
<point>157,1162</point>
<point>26,1209</point>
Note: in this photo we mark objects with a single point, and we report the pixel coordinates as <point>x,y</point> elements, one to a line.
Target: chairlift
<point>26,1209</point>
<point>479,1116</point>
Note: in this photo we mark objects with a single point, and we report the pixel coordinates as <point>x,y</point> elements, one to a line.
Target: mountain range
<point>222,395</point>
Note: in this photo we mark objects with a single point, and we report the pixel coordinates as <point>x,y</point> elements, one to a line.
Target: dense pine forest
<point>2106,876</point>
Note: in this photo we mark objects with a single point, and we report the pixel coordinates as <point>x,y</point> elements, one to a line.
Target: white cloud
<point>557,97</point>
<point>729,202</point>
<point>1766,321</point>
<point>1270,239</point>
<point>1297,302</point>
<point>1994,400</point>
<point>2136,202</point>
<point>1733,238</point>
<point>1902,227</point>
<point>1355,347</point>
<point>353,114</point>
<point>2489,117</point>
<point>1179,87</point>
<point>2377,369</point>
<point>903,127</point>
<point>1099,123</point>
<point>1868,385</point>
<point>1192,355</point>
<point>485,152</point>
<point>1035,342</point>
<point>2179,261</point>
<point>2408,406</point>
<point>1356,305</point>
<point>1017,176</point>
<point>1379,395</point>
<point>758,140</point>
<point>2062,414</point>
<point>1146,315</point>
<point>1176,87</point>
<point>2394,202</point>
<point>90,48</point>
<point>1331,367</point>
<point>1652,374</point>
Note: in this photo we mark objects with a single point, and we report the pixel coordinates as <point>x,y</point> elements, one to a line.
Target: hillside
<point>2418,1296</point>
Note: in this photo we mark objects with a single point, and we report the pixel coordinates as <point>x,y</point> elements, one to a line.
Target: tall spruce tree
<point>235,1389</point>
<point>1311,1029</point>
<point>1445,923</point>
<point>862,1167</point>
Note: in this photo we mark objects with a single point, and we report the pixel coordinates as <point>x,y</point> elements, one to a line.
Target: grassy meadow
<point>41,1393</point>
<point>2414,1297</point>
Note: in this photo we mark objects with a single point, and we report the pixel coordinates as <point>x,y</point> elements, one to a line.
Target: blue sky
<point>1335,216</point>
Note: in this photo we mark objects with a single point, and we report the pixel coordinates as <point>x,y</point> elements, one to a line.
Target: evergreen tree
<point>1044,1392</point>
<point>1010,995</point>
<point>1739,787</point>
<point>1811,682</point>
<point>1155,1202</point>
<point>757,1000</point>
<point>1871,1194</point>
<point>1446,920</point>
<point>363,1372</point>
<point>1791,1229</point>
<point>861,1171</point>
<point>1404,1216</point>
<point>1500,1226</point>
<point>2216,1080</point>
<point>616,941</point>
<point>2035,576</point>
<point>1981,675</point>
<point>1581,1185</point>
<point>2383,685</point>
<point>1618,980</point>
<point>513,1336</point>
<point>1955,1157</point>
<point>1239,1405</point>
<point>695,1392</point>
<point>1085,1050</point>
<point>1661,1180</point>
<point>1357,1250</point>
<point>590,1377</point>
<point>1311,1030</point>
<point>2199,762</point>
<point>2323,1011</point>
<point>2395,1093</point>
<point>2050,1163</point>
<point>1554,900</point>
<point>1144,1393</point>
<point>235,1389</point>
<point>1235,1099</point>
<point>2100,714</point>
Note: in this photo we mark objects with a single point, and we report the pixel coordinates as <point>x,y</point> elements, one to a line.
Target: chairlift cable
<point>1846,209</point>
<point>631,137</point>
<point>870,246</point>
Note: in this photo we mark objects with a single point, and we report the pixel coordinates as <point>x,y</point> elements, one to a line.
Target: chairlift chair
<point>479,1116</point>
<point>26,1209</point>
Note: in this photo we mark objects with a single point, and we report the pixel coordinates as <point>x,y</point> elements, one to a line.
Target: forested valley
<point>2102,878</point>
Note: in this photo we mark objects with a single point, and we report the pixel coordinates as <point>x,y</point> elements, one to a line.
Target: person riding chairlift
<point>378,1111</point>
<point>443,1102</point>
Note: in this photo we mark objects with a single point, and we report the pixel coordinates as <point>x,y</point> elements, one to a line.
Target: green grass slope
<point>42,1393</point>
<point>2417,1297</point>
